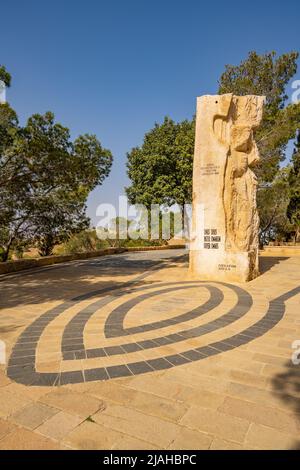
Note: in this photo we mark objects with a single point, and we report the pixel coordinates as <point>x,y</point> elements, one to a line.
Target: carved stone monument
<point>224,240</point>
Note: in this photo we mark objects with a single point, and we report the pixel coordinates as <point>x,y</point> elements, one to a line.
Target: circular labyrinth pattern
<point>134,341</point>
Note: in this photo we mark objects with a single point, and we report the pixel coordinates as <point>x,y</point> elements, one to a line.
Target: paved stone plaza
<point>128,352</point>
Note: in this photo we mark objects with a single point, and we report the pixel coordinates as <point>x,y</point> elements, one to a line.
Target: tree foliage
<point>267,75</point>
<point>293,209</point>
<point>272,202</point>
<point>45,179</point>
<point>5,77</point>
<point>160,169</point>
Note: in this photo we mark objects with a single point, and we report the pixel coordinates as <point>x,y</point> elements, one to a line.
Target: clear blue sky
<point>114,68</point>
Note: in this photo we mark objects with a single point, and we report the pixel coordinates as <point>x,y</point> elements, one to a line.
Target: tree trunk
<point>297,233</point>
<point>6,250</point>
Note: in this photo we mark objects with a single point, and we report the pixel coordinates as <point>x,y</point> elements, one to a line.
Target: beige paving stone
<point>216,423</point>
<point>158,406</point>
<point>80,387</point>
<point>259,414</point>
<point>270,371</point>
<point>10,403</point>
<point>47,357</point>
<point>33,415</point>
<point>203,398</point>
<point>23,439</point>
<point>130,443</point>
<point>4,380</point>
<point>209,370</point>
<point>155,385</point>
<point>263,437</point>
<point>73,402</point>
<point>51,366</point>
<point>189,440</point>
<point>32,393</point>
<point>92,436</point>
<point>65,447</point>
<point>6,427</point>
<point>136,424</point>
<point>197,380</point>
<point>85,363</point>
<point>59,425</point>
<point>248,378</point>
<point>66,366</point>
<point>268,359</point>
<point>270,350</point>
<point>112,391</point>
<point>222,444</point>
<point>263,396</point>
<point>234,363</point>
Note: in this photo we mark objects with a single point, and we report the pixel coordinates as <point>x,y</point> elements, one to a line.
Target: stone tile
<point>6,427</point>
<point>4,380</point>
<point>154,385</point>
<point>216,423</point>
<point>270,370</point>
<point>99,374</point>
<point>247,378</point>
<point>32,393</point>
<point>158,406</point>
<point>260,414</point>
<point>203,398</point>
<point>118,371</point>
<point>151,429</point>
<point>139,367</point>
<point>263,437</point>
<point>189,440</point>
<point>23,439</point>
<point>33,415</point>
<point>92,436</point>
<point>75,403</point>
<point>131,443</point>
<point>49,366</point>
<point>222,444</point>
<point>266,397</point>
<point>112,391</point>
<point>197,380</point>
<point>59,425</point>
<point>71,377</point>
<point>268,359</point>
<point>11,403</point>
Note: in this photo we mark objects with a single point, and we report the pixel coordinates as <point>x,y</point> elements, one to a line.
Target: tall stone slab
<point>224,238</point>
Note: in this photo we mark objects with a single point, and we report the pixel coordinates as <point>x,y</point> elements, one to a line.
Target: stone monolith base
<point>224,239</point>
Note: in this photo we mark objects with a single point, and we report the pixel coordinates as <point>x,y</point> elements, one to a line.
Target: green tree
<point>63,215</point>
<point>272,201</point>
<point>45,179</point>
<point>5,76</point>
<point>293,209</point>
<point>86,240</point>
<point>267,75</point>
<point>160,169</point>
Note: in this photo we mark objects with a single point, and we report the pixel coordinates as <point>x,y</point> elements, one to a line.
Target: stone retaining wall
<point>28,263</point>
<point>282,250</point>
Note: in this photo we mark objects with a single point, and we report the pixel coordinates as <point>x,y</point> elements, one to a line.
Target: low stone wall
<point>281,250</point>
<point>153,248</point>
<point>28,263</point>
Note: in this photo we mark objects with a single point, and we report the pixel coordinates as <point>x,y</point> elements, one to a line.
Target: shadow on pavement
<point>267,262</point>
<point>287,385</point>
<point>71,280</point>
